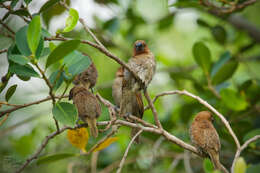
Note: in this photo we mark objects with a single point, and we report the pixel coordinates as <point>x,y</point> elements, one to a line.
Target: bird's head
<point>76,89</point>
<point>204,115</point>
<point>140,47</point>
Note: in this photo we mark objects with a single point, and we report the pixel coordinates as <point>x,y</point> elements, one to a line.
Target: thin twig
<point>94,160</point>
<point>155,114</point>
<point>240,150</point>
<point>7,27</point>
<point>126,151</point>
<point>4,119</point>
<point>3,51</point>
<point>28,104</point>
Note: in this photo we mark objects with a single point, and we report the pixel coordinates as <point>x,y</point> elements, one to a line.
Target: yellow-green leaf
<point>106,143</point>
<point>240,165</point>
<point>34,33</point>
<point>78,138</point>
<point>71,21</point>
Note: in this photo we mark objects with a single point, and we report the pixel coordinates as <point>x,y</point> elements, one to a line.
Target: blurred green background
<point>170,28</point>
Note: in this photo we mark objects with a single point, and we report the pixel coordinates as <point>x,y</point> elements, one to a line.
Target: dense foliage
<point>211,53</point>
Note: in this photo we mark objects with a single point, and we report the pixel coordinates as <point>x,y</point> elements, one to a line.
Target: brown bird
<point>117,86</point>
<point>87,105</point>
<point>205,138</point>
<point>87,78</point>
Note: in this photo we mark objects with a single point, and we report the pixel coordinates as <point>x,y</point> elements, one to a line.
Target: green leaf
<point>39,50</point>
<point>71,21</point>
<point>251,134</point>
<point>208,166</point>
<point>59,81</point>
<point>240,166</point>
<point>47,5</point>
<point>54,157</point>
<point>233,100</point>
<point>21,41</point>
<point>222,61</point>
<point>26,70</point>
<point>219,33</point>
<point>202,56</point>
<point>13,3</point>
<point>19,59</point>
<point>253,169</point>
<point>21,12</point>
<point>61,51</point>
<point>65,113</point>
<point>10,92</point>
<point>24,78</point>
<point>34,33</point>
<point>76,62</point>
<point>225,72</point>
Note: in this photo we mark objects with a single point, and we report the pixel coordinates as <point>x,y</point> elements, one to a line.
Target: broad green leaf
<point>19,59</point>
<point>202,56</point>
<point>251,134</point>
<point>13,3</point>
<point>26,70</point>
<point>71,21</point>
<point>219,33</point>
<point>78,138</point>
<point>77,63</point>
<point>39,49</point>
<point>10,92</point>
<point>54,157</point>
<point>21,12</point>
<point>225,72</point>
<point>59,81</point>
<point>52,46</point>
<point>233,100</point>
<point>45,33</point>
<point>61,51</point>
<point>106,143</point>
<point>65,113</point>
<point>222,60</point>
<point>21,41</point>
<point>24,78</point>
<point>208,166</point>
<point>34,33</point>
<point>240,166</point>
<point>47,5</point>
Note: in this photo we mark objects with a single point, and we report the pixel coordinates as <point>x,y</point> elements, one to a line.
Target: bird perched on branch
<point>143,64</point>
<point>87,105</point>
<point>87,78</point>
<point>117,86</point>
<point>205,138</point>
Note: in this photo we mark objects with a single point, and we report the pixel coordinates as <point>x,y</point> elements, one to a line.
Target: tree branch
<point>126,151</point>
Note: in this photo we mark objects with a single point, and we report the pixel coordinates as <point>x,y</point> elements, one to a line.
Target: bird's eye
<point>138,45</point>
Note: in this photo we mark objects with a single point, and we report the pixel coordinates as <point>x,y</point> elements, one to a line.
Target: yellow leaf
<point>78,138</point>
<point>240,165</point>
<point>106,143</point>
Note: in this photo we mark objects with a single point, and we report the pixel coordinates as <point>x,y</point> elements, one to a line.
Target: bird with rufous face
<point>87,105</point>
<point>205,138</point>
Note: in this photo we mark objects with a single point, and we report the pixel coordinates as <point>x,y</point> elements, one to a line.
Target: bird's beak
<point>139,47</point>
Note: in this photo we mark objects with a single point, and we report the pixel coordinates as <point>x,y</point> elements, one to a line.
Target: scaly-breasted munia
<point>205,138</point>
<point>117,86</point>
<point>87,78</point>
<point>87,105</point>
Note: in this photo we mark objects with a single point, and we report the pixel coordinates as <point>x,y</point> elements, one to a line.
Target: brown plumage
<point>143,64</point>
<point>205,138</point>
<point>117,86</point>
<point>87,105</point>
<point>87,78</point>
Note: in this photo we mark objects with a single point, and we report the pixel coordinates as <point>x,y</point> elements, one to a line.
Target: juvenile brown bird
<point>117,86</point>
<point>87,105</point>
<point>205,138</point>
<point>87,78</point>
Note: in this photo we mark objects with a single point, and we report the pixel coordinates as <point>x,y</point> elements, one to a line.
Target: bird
<point>143,64</point>
<point>117,86</point>
<point>88,78</point>
<point>87,105</point>
<point>205,138</point>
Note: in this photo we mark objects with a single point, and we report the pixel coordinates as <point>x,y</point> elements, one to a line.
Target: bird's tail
<point>92,126</point>
<point>133,132</point>
<point>215,159</point>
